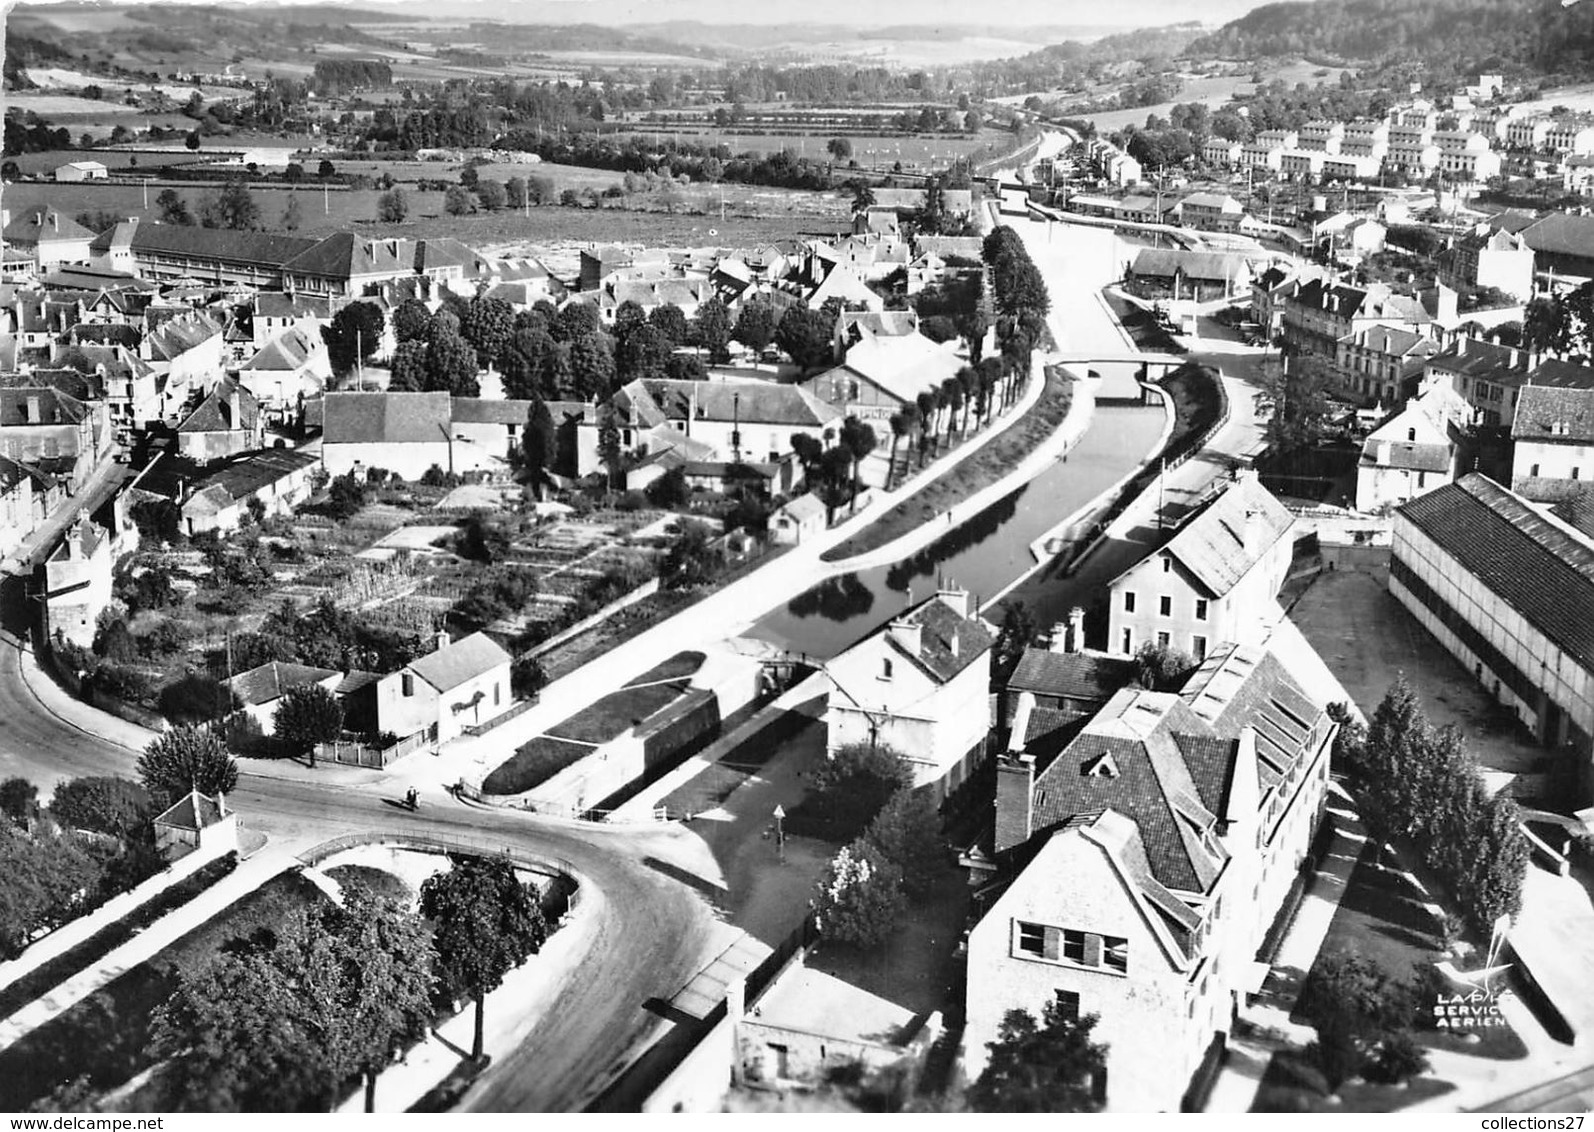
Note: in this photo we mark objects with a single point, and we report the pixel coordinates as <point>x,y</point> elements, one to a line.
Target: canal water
<point>984,555</point>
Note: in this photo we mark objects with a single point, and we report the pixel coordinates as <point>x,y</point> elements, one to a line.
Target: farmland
<point>751,214</point>
<point>872,150</point>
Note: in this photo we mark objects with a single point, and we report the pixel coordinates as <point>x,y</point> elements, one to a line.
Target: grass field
<point>868,150</point>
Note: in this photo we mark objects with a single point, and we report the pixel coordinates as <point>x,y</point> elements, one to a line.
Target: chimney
<point>442,640</point>
<point>957,597</point>
<point>1461,345</point>
<point>1514,359</point>
<point>908,634</point>
<point>234,408</point>
<point>1076,629</point>
<point>1381,454</point>
<point>221,802</point>
<point>33,410</point>
<point>952,644</point>
<point>1015,786</point>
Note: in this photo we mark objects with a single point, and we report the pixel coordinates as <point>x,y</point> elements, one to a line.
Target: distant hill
<point>1541,36</point>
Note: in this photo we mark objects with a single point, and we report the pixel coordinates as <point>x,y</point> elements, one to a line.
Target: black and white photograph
<point>685,556</point>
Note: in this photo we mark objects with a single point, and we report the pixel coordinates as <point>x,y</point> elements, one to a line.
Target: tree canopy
<point>184,759</point>
<point>1047,1066</point>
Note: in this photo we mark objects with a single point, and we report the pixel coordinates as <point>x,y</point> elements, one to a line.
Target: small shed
<point>81,171</point>
<point>800,519</point>
<point>196,822</point>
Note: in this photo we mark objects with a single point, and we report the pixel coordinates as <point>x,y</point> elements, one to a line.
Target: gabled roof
<point>803,508</point>
<point>261,249</point>
<point>1150,783</point>
<point>288,351</point>
<point>54,407</point>
<point>194,811</point>
<point>387,418</point>
<point>177,336</point>
<point>1561,375</point>
<point>273,679</point>
<point>1561,233</point>
<point>44,225</point>
<point>1559,416</point>
<point>1166,262</point>
<point>344,255</point>
<point>948,642</point>
<point>1475,358</point>
<point>1221,201</point>
<point>465,659</point>
<point>750,402</point>
<point>904,366</point>
<point>1394,341</point>
<point>1533,564</point>
<point>214,413</point>
<point>281,304</point>
<point>1071,675</point>
<point>479,410</point>
<point>440,252</point>
<point>1221,541</point>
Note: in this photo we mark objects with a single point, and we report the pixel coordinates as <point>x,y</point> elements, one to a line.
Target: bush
<point>1397,1060</point>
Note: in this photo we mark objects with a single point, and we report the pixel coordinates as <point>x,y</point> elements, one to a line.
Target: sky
<point>1118,14</point>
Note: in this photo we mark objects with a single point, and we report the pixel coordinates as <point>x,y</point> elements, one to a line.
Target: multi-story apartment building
<point>1527,133</point>
<point>1140,867</point>
<point>1483,258</point>
<point>1487,375</point>
<point>1258,154</point>
<point>1570,137</point>
<point>1320,312</point>
<point>1301,162</point>
<point>1214,580</point>
<point>1221,152</point>
<point>1508,590</point>
<point>1377,362</point>
<point>1322,135</point>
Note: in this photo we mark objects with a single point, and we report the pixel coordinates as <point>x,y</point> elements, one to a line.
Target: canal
<point>984,555</point>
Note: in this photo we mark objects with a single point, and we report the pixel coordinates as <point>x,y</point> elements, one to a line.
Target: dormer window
<point>1102,766</point>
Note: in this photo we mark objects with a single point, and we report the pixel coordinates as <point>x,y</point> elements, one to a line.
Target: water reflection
<point>955,542</point>
<point>838,599</point>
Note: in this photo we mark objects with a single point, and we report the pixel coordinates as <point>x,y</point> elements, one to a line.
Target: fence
<point>374,758</point>
<point>499,720</point>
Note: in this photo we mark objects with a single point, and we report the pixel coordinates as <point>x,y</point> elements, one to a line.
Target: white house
<point>793,523</point>
<point>1552,441</point>
<point>260,690</point>
<point>1412,452</point>
<point>78,582</point>
<point>405,433</point>
<point>196,821</point>
<point>1135,876</point>
<point>1215,580</point>
<point>455,686</point>
<point>920,686</point>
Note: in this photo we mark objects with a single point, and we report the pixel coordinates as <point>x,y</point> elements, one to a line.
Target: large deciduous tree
<point>486,923</point>
<point>755,325</point>
<point>1049,1066</point>
<point>859,898</point>
<point>712,330</point>
<point>307,715</point>
<point>105,804</point>
<point>184,759</point>
<point>354,335</point>
<point>805,336</point>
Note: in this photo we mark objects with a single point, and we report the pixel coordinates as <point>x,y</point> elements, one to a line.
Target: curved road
<point>655,932</point>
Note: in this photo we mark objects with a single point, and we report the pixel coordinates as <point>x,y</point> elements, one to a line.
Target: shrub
<point>1397,1060</point>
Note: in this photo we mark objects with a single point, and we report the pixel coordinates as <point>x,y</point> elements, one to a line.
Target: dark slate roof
<point>1562,375</point>
<point>465,659</point>
<point>1561,233</point>
<point>1164,263</point>
<point>1074,676</point>
<point>1563,416</point>
<point>1487,361</point>
<point>1239,686</point>
<point>1540,570</point>
<point>478,410</point>
<point>177,336</point>
<point>65,380</point>
<point>386,418</point>
<point>940,629</point>
<point>751,402</point>
<point>214,413</point>
<point>287,351</point>
<point>1406,456</point>
<point>264,249</point>
<point>272,679</point>
<point>44,224</point>
<point>246,474</point>
<point>344,255</point>
<point>1128,760</point>
<point>55,407</point>
<point>280,304</point>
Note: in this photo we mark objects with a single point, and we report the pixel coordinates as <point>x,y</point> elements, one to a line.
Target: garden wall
<point>648,747</point>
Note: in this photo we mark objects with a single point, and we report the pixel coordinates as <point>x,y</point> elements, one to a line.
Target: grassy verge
<point>1141,327</point>
<point>611,716</point>
<point>974,474</point>
<point>106,1037</point>
<point>1292,1083</point>
<point>77,959</point>
<point>378,882</point>
<point>678,667</point>
<point>534,763</point>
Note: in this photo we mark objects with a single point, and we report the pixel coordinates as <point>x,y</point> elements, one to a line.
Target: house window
<point>1200,609</point>
<point>1198,646</point>
<point>1162,640</point>
<point>1575,471</point>
<point>1165,606</point>
<point>1032,940</point>
<point>885,668</point>
<point>1167,564</point>
<point>1422,480</point>
<point>1534,470</point>
<point>407,679</point>
<point>1074,946</point>
<point>1068,1005</point>
<point>1129,601</point>
<point>1129,640</point>
<point>497,694</point>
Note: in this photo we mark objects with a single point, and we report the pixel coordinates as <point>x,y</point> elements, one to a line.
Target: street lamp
<point>780,832</point>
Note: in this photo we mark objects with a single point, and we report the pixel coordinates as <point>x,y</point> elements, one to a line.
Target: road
<point>655,932</point>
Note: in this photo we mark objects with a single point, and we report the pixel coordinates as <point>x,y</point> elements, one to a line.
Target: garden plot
<point>417,540</point>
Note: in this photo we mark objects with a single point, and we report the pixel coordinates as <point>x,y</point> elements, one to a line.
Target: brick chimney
<point>1015,790</point>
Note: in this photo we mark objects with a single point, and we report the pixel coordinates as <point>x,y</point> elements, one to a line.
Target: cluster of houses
<point>1141,842</point>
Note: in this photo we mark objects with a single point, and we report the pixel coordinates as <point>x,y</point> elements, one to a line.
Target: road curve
<point>652,935</point>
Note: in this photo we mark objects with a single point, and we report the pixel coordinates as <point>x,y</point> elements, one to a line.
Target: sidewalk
<point>249,875</point>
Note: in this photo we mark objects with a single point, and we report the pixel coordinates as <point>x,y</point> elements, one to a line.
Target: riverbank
<point>990,465</point>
